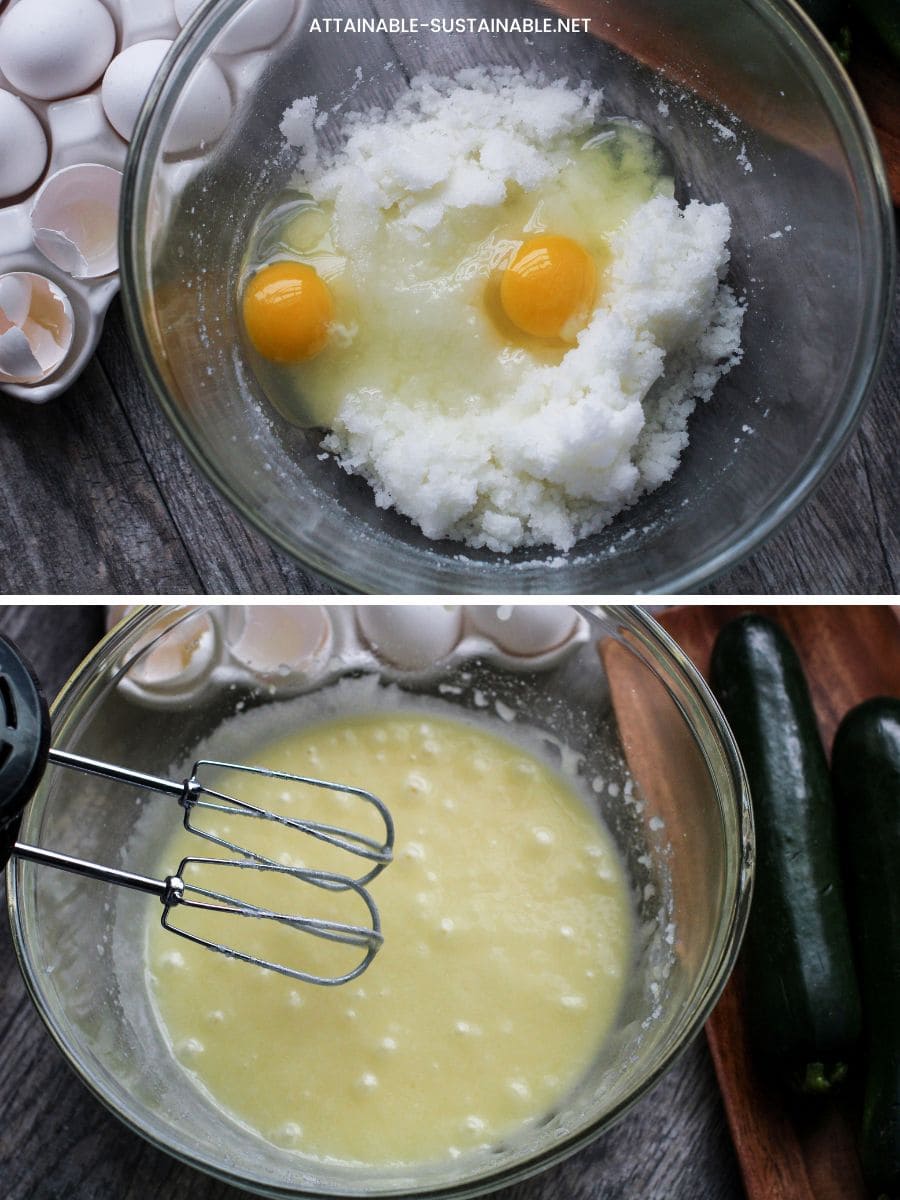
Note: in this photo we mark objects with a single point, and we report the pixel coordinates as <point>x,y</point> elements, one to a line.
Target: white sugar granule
<point>578,442</point>
<point>447,143</point>
<point>298,128</point>
<point>572,444</point>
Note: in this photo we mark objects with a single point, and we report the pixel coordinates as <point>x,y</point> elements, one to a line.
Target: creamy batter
<point>507,939</point>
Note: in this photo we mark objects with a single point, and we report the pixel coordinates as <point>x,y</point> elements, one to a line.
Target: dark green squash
<point>803,1002</point>
<point>866,773</point>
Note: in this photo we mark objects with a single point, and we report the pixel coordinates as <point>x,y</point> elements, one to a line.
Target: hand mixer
<point>25,753</point>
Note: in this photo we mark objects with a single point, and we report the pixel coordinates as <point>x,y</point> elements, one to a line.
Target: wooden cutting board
<point>849,653</point>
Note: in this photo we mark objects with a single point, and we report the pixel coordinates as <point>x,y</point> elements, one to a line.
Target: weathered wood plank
<point>80,510</point>
<point>847,538</point>
<point>227,555</point>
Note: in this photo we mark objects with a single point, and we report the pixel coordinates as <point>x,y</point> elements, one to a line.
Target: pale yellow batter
<point>507,939</point>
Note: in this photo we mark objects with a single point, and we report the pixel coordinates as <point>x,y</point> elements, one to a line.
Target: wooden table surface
<point>97,496</point>
<point>58,1143</point>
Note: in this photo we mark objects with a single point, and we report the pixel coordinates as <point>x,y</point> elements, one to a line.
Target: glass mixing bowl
<point>656,759</point>
<point>756,111</point>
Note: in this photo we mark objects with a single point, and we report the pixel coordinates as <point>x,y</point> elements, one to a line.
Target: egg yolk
<point>550,287</point>
<point>287,312</point>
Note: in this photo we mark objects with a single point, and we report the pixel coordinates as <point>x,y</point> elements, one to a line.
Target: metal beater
<point>25,752</point>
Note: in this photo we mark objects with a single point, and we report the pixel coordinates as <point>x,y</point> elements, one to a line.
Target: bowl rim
<point>727,938</point>
<point>788,20</point>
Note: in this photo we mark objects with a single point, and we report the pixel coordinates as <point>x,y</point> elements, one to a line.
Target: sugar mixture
<point>502,315</point>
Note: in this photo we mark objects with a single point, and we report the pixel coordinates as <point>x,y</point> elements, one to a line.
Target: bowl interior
<point>652,758</point>
<point>756,114</point>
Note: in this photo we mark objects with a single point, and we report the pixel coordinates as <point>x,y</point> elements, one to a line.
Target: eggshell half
<point>174,659</point>
<point>55,48</point>
<point>278,643</point>
<point>75,219</point>
<point>36,327</point>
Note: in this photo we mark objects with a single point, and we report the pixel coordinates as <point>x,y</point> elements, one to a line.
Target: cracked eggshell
<point>75,219</point>
<point>171,663</point>
<point>23,146</point>
<point>279,643</point>
<point>410,636</point>
<point>36,327</point>
<point>50,49</point>
<point>202,112</point>
<point>525,630</point>
<point>127,81</point>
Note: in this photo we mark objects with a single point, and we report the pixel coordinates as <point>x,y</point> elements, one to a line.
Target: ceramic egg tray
<point>84,160</point>
<point>289,650</point>
<point>77,132</point>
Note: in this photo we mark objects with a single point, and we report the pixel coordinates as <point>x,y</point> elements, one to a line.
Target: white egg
<point>23,146</point>
<point>526,629</point>
<point>55,48</point>
<point>75,219</point>
<point>202,113</point>
<point>412,636</point>
<point>256,26</point>
<point>127,81</point>
<point>185,9</point>
<point>278,642</point>
<point>36,327</point>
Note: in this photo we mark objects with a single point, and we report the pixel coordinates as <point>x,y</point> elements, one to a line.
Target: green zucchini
<point>802,997</point>
<point>866,773</point>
